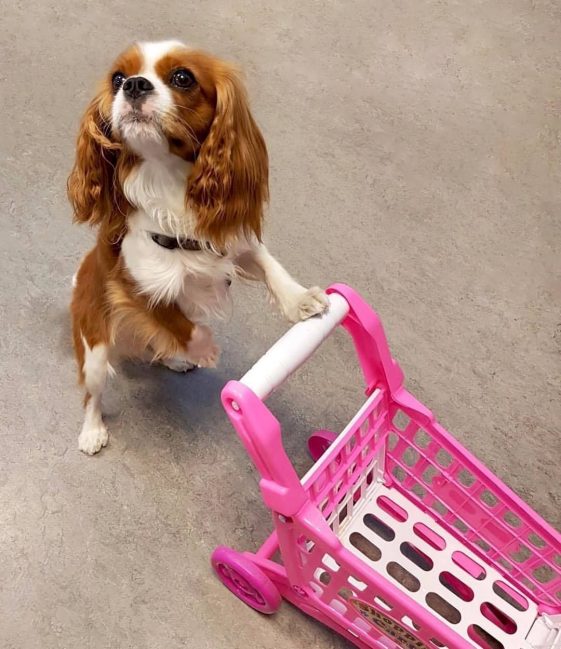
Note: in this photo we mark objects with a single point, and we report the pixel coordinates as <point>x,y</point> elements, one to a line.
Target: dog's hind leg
<point>91,346</point>
<point>95,369</point>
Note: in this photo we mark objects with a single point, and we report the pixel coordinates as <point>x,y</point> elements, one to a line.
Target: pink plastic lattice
<point>439,476</point>
<point>340,480</point>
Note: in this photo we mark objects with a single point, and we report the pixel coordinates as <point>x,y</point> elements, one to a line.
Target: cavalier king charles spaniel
<point>172,170</point>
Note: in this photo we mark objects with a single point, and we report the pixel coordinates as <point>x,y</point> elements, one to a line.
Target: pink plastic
<point>319,442</point>
<point>246,580</point>
<point>422,462</point>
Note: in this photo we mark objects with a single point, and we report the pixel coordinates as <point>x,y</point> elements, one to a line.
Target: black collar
<point>173,243</point>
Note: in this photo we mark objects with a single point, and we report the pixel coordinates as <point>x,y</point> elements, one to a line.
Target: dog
<point>172,170</point>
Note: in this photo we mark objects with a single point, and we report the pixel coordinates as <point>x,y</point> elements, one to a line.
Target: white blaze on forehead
<point>154,51</point>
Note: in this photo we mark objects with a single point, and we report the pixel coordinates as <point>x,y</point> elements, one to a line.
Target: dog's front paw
<point>93,438</point>
<point>305,304</point>
<point>201,349</point>
<point>178,365</point>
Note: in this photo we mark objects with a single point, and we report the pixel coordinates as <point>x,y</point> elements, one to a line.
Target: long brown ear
<point>92,188</point>
<point>229,183</point>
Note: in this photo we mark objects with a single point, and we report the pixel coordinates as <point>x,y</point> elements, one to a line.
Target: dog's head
<point>161,98</point>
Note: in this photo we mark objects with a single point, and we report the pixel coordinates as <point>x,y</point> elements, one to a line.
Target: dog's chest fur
<point>197,281</point>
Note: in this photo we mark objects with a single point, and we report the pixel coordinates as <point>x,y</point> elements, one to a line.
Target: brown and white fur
<point>167,146</point>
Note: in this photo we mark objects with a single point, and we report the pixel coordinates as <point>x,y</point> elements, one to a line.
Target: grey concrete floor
<point>415,155</point>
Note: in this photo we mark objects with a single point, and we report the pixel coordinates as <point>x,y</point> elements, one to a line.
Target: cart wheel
<point>319,442</point>
<point>246,580</point>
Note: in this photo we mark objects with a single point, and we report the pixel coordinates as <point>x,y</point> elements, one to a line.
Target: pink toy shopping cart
<point>397,537</point>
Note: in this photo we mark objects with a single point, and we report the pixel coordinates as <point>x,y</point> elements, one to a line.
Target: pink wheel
<point>246,580</point>
<point>319,442</point>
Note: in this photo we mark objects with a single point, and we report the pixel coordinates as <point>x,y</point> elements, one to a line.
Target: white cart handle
<point>294,348</point>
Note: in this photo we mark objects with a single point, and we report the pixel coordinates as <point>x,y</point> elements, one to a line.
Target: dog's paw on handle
<point>201,348</point>
<point>305,304</point>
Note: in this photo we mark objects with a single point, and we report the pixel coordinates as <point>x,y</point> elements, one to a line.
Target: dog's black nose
<point>135,87</point>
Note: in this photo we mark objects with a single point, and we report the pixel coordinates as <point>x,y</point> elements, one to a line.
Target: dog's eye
<point>182,78</point>
<point>117,80</point>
